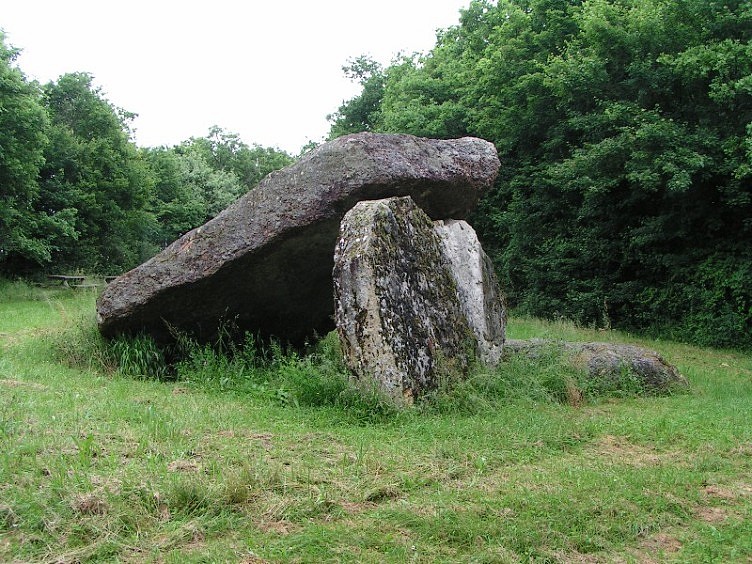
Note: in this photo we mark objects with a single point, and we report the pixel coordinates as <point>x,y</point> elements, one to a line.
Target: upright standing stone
<point>265,263</point>
<point>397,309</point>
<point>478,289</point>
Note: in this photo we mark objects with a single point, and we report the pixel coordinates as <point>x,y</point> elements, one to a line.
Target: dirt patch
<point>656,545</point>
<point>196,540</point>
<point>712,514</point>
<point>354,508</point>
<point>22,384</point>
<point>264,438</point>
<point>111,484</point>
<point>89,504</point>
<point>184,466</point>
<point>382,493</point>
<point>619,450</point>
<point>254,560</point>
<point>744,489</point>
<point>577,558</point>
<point>744,449</point>
<point>281,527</point>
<point>720,492</point>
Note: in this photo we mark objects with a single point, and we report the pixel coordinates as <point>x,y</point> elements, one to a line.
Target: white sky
<point>269,71</point>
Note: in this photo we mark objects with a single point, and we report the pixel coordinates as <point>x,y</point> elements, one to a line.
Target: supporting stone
<point>480,298</point>
<point>397,308</point>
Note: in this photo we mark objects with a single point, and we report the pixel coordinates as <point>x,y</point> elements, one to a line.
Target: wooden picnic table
<point>66,280</point>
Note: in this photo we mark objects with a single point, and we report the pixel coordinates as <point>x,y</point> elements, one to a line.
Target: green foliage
<point>319,379</point>
<point>361,113</point>
<point>139,357</point>
<point>27,235</point>
<point>268,372</point>
<point>226,152</point>
<point>81,346</point>
<point>197,179</point>
<point>76,192</point>
<point>18,291</point>
<point>549,377</point>
<point>623,128</point>
<point>95,175</point>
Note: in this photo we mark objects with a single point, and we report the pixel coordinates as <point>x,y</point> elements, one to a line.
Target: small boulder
<point>607,364</point>
<point>397,309</point>
<point>265,263</point>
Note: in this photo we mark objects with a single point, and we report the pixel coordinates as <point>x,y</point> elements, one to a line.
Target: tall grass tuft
<point>316,379</point>
<point>19,291</point>
<point>80,345</point>
<point>139,356</point>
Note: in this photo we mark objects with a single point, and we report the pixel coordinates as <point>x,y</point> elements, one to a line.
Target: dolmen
<point>264,265</point>
<point>367,234</point>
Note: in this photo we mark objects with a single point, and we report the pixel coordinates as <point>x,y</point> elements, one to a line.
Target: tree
<point>28,235</point>
<point>199,178</point>
<point>361,113</point>
<point>226,152</point>
<point>176,204</point>
<point>92,166</point>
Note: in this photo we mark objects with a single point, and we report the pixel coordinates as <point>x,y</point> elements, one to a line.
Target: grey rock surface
<point>265,263</point>
<point>608,362</point>
<point>397,311</point>
<point>480,298</point>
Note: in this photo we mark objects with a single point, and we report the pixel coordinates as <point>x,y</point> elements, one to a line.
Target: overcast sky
<point>270,71</point>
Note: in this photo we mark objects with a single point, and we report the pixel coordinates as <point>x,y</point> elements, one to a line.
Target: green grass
<point>274,457</point>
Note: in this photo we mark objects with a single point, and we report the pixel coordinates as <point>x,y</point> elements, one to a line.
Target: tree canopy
<point>23,122</point>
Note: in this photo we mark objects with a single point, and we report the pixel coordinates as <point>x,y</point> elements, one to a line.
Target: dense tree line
<point>624,128</point>
<point>76,193</point>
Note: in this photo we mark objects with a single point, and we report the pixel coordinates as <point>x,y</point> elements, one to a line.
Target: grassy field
<point>98,466</point>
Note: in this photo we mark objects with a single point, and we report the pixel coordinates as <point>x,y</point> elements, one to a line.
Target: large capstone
<point>264,264</point>
<point>398,314</point>
<point>478,290</point>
